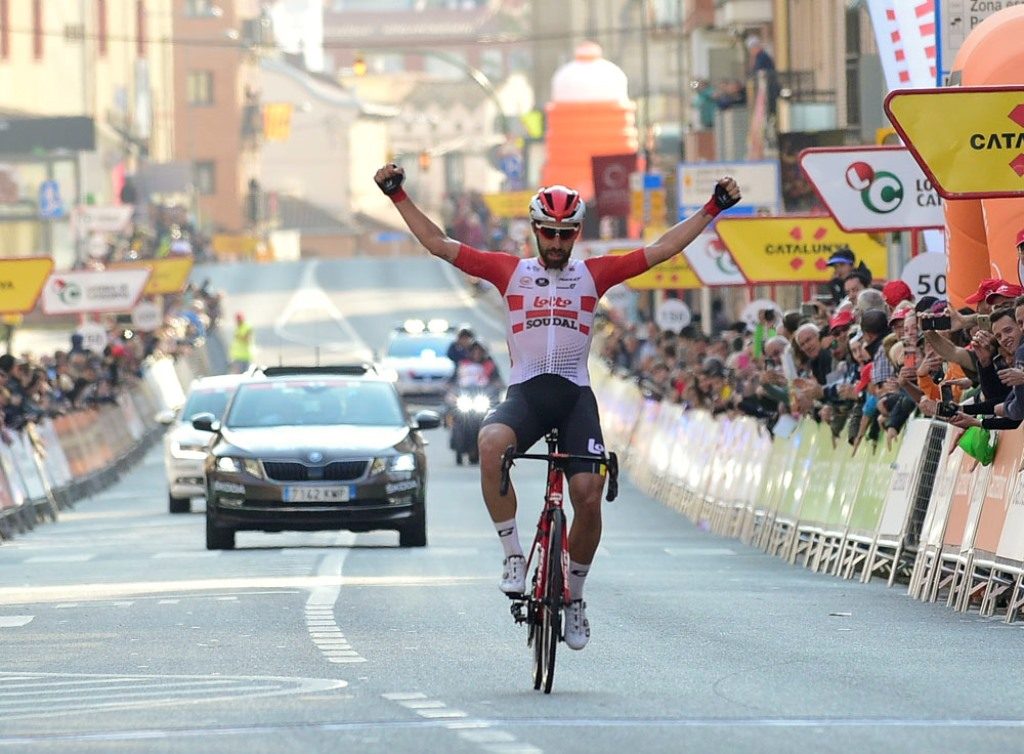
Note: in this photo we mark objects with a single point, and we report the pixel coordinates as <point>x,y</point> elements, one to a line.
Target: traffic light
<point>359,65</point>
<point>424,161</point>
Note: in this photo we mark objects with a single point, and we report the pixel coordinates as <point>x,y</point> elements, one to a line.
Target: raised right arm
<point>389,178</point>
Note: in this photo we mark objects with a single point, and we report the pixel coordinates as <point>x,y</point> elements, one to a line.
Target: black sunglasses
<point>551,233</point>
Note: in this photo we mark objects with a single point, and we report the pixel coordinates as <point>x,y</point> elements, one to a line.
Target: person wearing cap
<point>1003,295</point>
<point>844,262</point>
<point>896,292</point>
<point>898,318</point>
<point>978,298</point>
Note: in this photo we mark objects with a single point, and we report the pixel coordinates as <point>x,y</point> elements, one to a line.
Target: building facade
<point>218,122</point>
<point>95,71</point>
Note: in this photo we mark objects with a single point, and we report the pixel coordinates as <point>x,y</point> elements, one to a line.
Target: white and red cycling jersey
<point>550,312</point>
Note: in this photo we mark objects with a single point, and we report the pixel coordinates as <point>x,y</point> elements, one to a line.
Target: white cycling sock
<point>577,575</point>
<point>509,536</point>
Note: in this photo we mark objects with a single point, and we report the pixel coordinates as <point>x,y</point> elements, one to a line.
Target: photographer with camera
<point>994,353</point>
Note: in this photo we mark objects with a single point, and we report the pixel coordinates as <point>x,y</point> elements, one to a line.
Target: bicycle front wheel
<point>551,610</point>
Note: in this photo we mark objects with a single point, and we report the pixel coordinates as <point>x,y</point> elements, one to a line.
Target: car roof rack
<point>335,369</point>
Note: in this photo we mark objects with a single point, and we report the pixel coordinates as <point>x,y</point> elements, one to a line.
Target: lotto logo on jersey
<point>539,302</point>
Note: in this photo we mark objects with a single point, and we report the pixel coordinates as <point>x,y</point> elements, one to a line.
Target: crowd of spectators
<point>36,386</point>
<point>863,361</point>
<point>158,232</point>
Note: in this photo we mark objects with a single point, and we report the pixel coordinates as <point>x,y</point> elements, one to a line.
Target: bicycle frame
<point>553,501</point>
<point>543,604</point>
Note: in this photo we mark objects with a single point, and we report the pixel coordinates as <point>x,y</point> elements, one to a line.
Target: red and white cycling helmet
<point>557,204</point>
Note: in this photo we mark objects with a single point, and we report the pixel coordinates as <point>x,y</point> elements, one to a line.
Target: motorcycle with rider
<point>475,388</point>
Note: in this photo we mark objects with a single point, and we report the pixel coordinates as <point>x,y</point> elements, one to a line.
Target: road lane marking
<point>320,606</point>
<point>101,592</point>
<point>311,298</point>
<point>15,621</point>
<point>473,730</point>
<point>46,695</point>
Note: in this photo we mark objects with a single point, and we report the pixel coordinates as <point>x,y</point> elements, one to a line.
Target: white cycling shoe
<point>513,575</point>
<point>577,627</point>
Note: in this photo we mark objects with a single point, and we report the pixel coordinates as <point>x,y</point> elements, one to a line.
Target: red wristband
<point>712,207</point>
<point>399,196</point>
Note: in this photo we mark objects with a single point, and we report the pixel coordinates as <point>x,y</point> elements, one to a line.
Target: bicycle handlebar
<point>561,461</point>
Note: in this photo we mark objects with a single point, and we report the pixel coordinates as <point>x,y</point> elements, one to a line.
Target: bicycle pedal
<point>517,609</point>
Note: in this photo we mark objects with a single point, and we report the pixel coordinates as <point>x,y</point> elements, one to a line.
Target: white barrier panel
<point>21,451</point>
<point>55,459</point>
<point>136,429</point>
<point>907,469</point>
<point>14,480</point>
<point>159,374</point>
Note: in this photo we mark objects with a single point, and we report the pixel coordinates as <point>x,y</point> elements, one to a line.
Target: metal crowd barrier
<point>920,512</point>
<point>49,465</point>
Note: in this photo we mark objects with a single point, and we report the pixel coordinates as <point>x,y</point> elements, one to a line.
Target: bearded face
<point>554,244</point>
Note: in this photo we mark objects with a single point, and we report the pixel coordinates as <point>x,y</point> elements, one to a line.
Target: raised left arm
<point>680,235</point>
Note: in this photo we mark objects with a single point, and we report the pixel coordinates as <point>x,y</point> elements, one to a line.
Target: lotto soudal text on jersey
<point>550,312</point>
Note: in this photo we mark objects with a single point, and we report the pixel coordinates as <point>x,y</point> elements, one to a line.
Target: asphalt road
<point>120,632</point>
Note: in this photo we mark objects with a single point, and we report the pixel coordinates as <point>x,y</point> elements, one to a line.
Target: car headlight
<point>401,463</point>
<point>232,465</point>
<point>238,465</point>
<point>464,403</point>
<point>481,404</point>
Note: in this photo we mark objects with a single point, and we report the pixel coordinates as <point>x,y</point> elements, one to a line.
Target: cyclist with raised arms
<point>550,302</point>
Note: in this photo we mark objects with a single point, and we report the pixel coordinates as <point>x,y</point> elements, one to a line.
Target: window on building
<point>199,88</point>
<point>204,177</point>
<point>140,29</point>
<point>101,27</point>
<point>5,29</point>
<point>455,171</point>
<point>853,56</point>
<point>37,29</point>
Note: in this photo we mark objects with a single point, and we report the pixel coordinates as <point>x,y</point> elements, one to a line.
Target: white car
<point>185,447</point>
<point>416,358</point>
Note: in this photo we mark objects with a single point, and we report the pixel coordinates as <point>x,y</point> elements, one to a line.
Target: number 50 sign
<point>926,275</point>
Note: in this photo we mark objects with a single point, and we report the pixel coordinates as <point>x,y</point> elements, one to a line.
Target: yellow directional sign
<point>21,282</point>
<point>168,275</point>
<point>510,204</point>
<point>968,140</point>
<point>793,249</point>
<point>675,274</point>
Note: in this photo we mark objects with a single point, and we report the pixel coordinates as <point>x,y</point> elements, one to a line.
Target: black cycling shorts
<point>548,401</point>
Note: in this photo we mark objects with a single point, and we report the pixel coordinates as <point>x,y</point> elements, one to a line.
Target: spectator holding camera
<point>994,353</point>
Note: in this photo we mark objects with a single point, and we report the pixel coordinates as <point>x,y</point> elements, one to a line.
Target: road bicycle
<point>541,608</point>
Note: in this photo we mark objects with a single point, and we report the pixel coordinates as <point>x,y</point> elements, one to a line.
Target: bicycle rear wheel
<point>551,610</point>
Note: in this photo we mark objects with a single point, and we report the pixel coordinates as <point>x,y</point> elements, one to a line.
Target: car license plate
<point>324,494</point>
